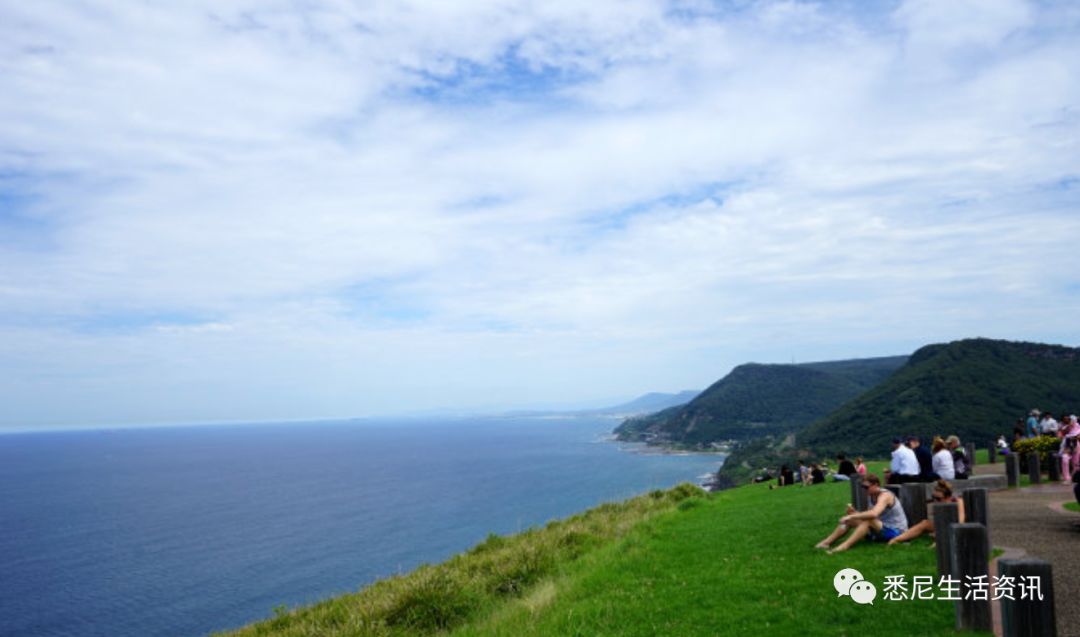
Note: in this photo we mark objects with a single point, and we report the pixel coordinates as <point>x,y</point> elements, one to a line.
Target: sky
<point>302,209</point>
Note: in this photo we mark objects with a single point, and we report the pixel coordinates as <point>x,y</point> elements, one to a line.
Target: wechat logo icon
<point>850,582</point>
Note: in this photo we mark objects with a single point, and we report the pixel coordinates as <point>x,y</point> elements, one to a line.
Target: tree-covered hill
<point>975,388</point>
<point>757,400</point>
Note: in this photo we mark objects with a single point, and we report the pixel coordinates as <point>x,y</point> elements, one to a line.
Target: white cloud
<point>946,26</point>
<point>272,210</point>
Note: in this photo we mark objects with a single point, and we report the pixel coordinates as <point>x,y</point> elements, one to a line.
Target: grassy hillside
<point>470,585</point>
<point>974,388</point>
<point>757,400</point>
<point>734,563</point>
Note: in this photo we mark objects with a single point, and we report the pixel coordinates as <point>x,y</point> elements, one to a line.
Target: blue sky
<point>279,210</point>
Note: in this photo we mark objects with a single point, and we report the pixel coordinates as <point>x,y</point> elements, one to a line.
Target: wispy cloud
<point>277,210</point>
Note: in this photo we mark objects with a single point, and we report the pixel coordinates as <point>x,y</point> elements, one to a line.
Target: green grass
<point>739,562</point>
<point>1072,506</point>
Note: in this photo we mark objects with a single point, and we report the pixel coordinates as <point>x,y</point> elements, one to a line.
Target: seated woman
<point>942,493</point>
<point>884,521</point>
<point>942,460</point>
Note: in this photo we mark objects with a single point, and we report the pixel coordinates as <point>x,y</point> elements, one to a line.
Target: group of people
<point>816,473</point>
<point>1044,424</point>
<point>912,462</point>
<point>885,520</point>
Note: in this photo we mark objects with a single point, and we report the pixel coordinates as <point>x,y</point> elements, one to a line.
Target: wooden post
<point>864,497</point>
<point>913,499</point>
<point>945,515</point>
<point>858,494</point>
<point>1054,473</point>
<point>1034,470</point>
<point>976,507</point>
<point>970,447</point>
<point>971,558</point>
<point>992,452</point>
<point>1012,469</point>
<point>1028,616</point>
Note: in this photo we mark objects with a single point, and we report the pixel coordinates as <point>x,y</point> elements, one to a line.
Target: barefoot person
<point>884,521</point>
<point>942,493</point>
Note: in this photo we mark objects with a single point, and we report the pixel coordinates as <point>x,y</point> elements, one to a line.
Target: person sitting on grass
<point>1003,445</point>
<point>884,521</point>
<point>787,476</point>
<point>846,468</point>
<point>942,493</point>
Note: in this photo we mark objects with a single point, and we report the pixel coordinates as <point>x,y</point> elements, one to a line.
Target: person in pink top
<point>860,468</point>
<point>1070,448</point>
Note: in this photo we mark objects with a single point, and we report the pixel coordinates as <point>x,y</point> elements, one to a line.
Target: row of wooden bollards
<point>963,554</point>
<point>1014,464</point>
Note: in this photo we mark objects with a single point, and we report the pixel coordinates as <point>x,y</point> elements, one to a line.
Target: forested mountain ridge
<point>757,400</point>
<point>975,388</point>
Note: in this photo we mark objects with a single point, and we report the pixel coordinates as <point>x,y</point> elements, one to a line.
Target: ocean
<point>181,531</point>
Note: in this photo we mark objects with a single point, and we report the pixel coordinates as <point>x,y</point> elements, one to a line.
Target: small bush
<point>683,491</point>
<point>1043,445</point>
<point>491,542</point>
<point>431,601</point>
<point>576,542</point>
<point>691,503</point>
<point>523,568</point>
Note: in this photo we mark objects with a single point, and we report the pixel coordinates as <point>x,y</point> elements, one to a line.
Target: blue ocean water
<point>187,530</point>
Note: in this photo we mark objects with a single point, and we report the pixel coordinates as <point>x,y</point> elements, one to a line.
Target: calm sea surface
<point>183,531</point>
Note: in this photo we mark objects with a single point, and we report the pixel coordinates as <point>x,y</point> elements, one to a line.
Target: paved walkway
<point>1032,520</point>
